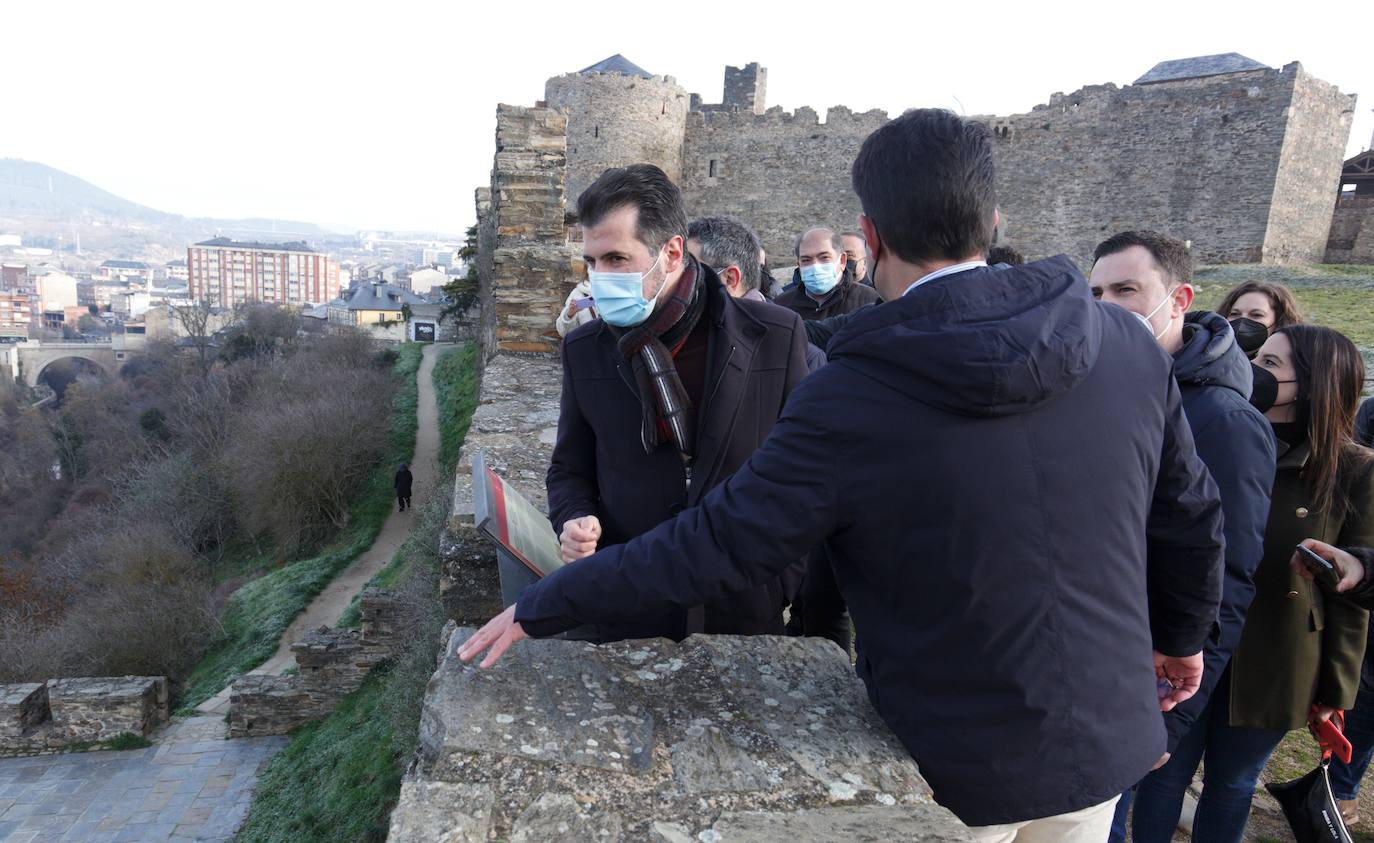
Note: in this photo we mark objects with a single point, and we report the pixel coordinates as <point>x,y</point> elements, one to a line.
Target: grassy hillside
<point>259,612</point>
<point>337,780</point>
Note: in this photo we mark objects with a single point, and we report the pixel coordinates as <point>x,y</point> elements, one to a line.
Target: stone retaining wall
<point>43,717</point>
<point>333,664</point>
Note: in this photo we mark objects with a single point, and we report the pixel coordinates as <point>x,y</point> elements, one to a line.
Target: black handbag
<point>1308,802</point>
<point>1311,808</point>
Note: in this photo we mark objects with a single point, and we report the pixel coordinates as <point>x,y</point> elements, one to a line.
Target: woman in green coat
<point>1299,648</point>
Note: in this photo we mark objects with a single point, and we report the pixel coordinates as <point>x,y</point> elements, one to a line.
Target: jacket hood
<point>1210,355</point>
<point>991,341</point>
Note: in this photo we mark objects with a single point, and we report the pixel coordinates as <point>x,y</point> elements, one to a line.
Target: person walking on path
<point>404,479</point>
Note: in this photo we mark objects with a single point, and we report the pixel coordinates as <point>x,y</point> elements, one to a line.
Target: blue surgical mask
<point>620,296</point>
<point>820,278</point>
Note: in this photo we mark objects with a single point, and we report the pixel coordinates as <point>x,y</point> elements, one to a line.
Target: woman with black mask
<point>1300,651</point>
<point>1257,308</point>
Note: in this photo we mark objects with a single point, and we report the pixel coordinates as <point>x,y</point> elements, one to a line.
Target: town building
<point>57,291</point>
<point>231,272</point>
<point>14,278</point>
<point>178,271</point>
<point>98,292</point>
<point>130,305</point>
<point>124,271</point>
<point>375,304</point>
<point>442,256</point>
<point>422,281</point>
<point>16,315</point>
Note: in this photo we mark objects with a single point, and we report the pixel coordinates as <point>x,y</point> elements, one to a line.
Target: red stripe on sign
<point>498,499</point>
<point>498,495</point>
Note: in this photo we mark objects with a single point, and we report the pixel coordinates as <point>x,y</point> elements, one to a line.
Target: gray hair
<point>835,242</point>
<point>727,241</point>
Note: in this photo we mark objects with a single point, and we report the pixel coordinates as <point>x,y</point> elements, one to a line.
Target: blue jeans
<point>1235,757</point>
<point>1359,729</point>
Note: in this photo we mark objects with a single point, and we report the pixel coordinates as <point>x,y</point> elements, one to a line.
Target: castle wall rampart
<point>1194,158</point>
<point>779,171</point>
<point>1309,172</point>
<point>614,120</point>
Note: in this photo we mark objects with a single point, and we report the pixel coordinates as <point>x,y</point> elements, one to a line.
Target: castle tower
<point>746,88</point>
<point>618,114</point>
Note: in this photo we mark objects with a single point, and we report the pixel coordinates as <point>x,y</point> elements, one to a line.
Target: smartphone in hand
<point>1322,571</point>
<point>583,304</point>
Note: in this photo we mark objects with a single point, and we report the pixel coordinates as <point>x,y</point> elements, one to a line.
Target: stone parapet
<point>94,709</point>
<point>718,738</point>
<point>262,704</point>
<point>514,426</point>
<point>333,663</point>
<point>41,717</point>
<point>22,708</point>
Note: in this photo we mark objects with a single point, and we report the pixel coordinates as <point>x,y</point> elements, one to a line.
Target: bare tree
<point>197,321</point>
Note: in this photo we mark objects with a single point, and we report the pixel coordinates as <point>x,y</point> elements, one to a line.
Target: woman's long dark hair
<point>1330,378</point>
<point>1280,298</point>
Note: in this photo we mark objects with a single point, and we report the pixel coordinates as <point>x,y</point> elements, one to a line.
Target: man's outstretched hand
<point>1184,675</point>
<point>499,633</point>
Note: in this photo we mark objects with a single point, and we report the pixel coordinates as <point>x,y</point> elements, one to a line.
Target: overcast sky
<point>381,114</point>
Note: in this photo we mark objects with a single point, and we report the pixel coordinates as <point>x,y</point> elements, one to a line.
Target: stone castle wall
<point>780,172</point>
<point>1198,159</point>
<point>615,120</point>
<point>746,88</point>
<point>1309,168</point>
<point>1244,166</point>
<point>486,246</point>
<point>525,264</point>
<point>1352,231</point>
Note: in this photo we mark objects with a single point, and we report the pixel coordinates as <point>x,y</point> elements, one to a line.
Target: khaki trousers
<point>1090,825</point>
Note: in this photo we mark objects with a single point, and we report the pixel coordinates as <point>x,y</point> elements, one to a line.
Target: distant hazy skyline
<point>381,115</point>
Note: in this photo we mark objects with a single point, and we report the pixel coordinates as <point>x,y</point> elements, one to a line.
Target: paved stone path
<point>192,785</point>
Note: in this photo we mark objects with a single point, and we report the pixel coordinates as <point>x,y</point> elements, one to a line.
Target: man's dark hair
<point>644,186</point>
<point>1006,255</point>
<point>1172,256</point>
<point>727,241</point>
<point>926,182</point>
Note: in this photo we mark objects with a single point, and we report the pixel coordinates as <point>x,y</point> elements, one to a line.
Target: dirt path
<point>325,609</point>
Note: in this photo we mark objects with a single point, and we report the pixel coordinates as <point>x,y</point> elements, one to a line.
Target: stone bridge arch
<point>34,358</point>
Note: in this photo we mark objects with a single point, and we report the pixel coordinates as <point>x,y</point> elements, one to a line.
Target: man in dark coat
<point>1025,537</point>
<point>402,483</point>
<point>623,461</point>
<point>1150,275</point>
<point>856,256</point>
<point>824,281</point>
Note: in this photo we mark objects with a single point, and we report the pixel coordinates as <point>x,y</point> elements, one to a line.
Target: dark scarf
<point>649,348</point>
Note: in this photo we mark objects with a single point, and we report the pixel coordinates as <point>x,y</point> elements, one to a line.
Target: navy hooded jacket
<point>1236,443</point>
<point>1016,517</point>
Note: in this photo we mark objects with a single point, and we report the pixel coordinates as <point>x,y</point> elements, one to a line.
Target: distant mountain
<point>27,186</point>
<point>30,189</point>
